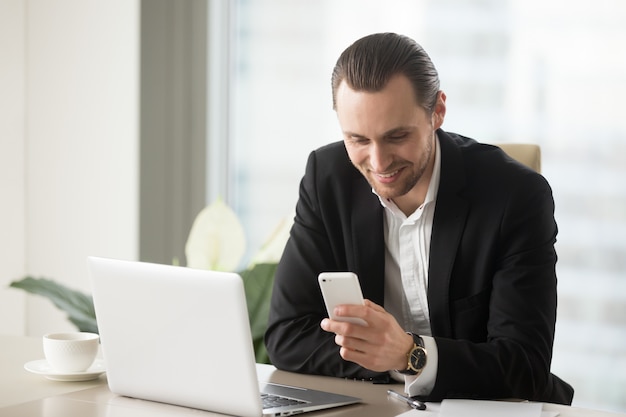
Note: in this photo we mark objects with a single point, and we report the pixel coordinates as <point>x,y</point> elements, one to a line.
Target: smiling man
<point>452,240</point>
<point>390,139</point>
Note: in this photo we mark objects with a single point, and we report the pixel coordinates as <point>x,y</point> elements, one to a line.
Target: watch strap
<point>418,343</point>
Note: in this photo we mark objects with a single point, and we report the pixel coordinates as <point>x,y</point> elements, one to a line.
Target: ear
<point>439,112</point>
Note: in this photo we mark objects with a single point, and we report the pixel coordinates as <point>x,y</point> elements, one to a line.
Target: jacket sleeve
<point>294,339</point>
<point>502,300</point>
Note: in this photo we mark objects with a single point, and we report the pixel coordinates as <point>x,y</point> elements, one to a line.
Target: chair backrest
<point>525,153</point>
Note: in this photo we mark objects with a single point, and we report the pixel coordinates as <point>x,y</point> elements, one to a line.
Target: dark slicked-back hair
<point>370,62</point>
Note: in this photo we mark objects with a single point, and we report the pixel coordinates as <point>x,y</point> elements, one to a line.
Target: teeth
<point>388,175</point>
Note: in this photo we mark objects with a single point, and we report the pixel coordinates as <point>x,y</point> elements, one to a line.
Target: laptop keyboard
<point>270,401</point>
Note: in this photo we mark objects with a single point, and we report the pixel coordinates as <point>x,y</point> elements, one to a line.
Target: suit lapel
<point>368,240</point>
<point>450,215</point>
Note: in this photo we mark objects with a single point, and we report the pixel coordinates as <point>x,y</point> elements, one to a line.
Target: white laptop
<point>181,336</point>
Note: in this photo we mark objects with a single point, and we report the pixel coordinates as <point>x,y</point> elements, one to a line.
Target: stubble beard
<point>408,184</point>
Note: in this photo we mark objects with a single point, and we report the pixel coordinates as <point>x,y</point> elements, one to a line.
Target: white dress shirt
<point>407,242</point>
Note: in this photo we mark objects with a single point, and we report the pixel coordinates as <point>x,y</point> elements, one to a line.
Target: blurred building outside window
<point>548,72</point>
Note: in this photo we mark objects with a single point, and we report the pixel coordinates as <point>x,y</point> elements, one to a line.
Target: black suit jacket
<point>492,281</point>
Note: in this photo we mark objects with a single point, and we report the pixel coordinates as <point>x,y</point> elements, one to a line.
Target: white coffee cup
<point>71,351</point>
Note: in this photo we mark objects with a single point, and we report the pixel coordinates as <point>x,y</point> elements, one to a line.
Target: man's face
<point>390,138</point>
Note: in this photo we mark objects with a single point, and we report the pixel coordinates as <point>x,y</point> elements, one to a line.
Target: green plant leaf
<point>77,305</point>
<point>258,281</point>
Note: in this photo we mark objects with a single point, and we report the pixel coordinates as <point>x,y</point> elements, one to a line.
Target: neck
<point>412,200</point>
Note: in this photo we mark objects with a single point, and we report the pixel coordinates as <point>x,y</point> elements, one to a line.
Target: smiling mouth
<point>387,177</point>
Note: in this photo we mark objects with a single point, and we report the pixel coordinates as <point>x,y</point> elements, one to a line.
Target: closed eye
<point>398,136</point>
<point>399,133</point>
<point>358,140</point>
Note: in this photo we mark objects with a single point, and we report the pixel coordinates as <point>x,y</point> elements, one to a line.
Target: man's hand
<point>380,346</point>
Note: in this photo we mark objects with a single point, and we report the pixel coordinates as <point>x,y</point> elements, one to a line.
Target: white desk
<point>29,395</point>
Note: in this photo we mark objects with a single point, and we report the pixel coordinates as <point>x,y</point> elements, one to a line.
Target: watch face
<point>418,358</point>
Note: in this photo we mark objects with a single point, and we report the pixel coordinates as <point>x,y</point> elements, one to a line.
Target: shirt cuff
<point>423,384</point>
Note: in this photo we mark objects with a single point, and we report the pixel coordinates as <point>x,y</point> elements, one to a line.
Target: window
<point>540,71</point>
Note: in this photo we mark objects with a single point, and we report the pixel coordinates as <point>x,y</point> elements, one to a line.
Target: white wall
<point>70,155</point>
<point>12,72</point>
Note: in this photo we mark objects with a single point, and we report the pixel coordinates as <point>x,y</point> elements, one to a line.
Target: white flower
<point>216,240</point>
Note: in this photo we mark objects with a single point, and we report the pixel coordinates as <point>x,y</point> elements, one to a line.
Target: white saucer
<point>41,367</point>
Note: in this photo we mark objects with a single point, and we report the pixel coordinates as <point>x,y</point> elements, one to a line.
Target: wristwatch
<point>416,358</point>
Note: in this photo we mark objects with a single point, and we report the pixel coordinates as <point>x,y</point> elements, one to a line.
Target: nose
<point>380,157</point>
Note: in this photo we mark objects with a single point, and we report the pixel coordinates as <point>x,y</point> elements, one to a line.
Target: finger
<point>372,314</point>
<point>351,310</point>
<point>356,310</point>
<point>364,359</point>
<point>373,305</point>
<point>342,327</point>
<point>352,343</point>
<point>353,355</point>
<point>325,325</point>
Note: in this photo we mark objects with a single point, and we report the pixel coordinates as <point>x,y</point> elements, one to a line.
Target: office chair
<point>525,153</point>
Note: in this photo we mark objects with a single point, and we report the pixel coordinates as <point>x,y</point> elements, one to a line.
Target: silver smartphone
<point>341,288</point>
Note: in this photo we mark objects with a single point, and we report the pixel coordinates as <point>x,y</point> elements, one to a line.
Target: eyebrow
<point>388,133</point>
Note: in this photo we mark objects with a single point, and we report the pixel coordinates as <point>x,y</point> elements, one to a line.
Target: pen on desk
<point>418,405</point>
